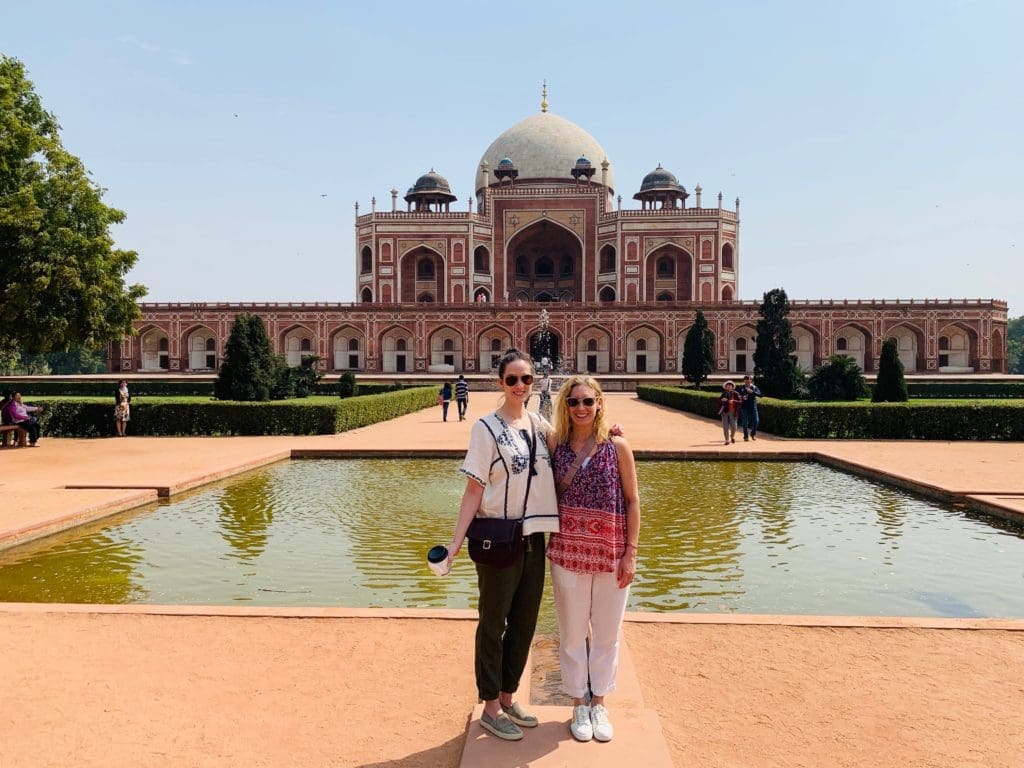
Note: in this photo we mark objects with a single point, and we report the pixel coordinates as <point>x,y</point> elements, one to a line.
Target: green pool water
<point>749,537</point>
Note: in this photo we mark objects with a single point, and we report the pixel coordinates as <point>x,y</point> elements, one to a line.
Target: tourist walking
<point>728,409</point>
<point>749,417</point>
<point>545,396</point>
<point>445,399</point>
<point>508,471</point>
<point>462,396</point>
<point>593,555</point>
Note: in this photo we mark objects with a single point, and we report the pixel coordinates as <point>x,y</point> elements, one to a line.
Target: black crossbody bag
<point>498,542</point>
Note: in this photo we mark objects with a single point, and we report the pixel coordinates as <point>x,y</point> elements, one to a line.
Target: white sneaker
<point>580,727</point>
<point>601,726</point>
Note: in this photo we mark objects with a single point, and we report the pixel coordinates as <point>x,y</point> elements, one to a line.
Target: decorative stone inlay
<point>404,246</point>
<point>518,220</point>
<point>653,243</point>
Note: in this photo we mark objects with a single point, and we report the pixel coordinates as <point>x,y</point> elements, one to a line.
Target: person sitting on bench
<point>19,414</point>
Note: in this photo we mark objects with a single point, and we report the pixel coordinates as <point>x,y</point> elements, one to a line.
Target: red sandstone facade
<point>551,262</point>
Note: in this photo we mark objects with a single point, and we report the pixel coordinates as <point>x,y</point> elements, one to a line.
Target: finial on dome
<point>544,97</point>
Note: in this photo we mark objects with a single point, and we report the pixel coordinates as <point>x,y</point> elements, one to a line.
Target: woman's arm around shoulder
<point>631,493</point>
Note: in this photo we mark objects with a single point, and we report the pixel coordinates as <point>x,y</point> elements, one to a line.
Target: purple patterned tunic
<point>591,536</point>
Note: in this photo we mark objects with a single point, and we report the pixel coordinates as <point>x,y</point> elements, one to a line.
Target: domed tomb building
<point>543,256</point>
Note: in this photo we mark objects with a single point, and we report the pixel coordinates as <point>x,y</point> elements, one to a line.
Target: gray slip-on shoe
<point>520,716</point>
<point>501,726</point>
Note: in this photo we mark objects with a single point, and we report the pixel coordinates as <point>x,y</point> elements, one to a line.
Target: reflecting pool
<point>750,537</point>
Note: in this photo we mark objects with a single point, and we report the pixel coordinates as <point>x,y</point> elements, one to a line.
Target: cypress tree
<point>775,372</point>
<point>247,372</point>
<point>698,351</point>
<point>890,386</point>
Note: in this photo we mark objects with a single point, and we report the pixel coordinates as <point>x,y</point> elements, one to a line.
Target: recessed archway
<point>545,260</point>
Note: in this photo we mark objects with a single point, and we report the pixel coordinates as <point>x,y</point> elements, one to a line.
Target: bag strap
<point>533,459</point>
<point>588,449</point>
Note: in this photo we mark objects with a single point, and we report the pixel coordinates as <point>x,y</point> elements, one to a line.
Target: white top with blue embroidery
<point>499,459</point>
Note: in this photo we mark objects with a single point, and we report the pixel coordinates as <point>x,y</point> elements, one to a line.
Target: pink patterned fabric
<point>591,535</point>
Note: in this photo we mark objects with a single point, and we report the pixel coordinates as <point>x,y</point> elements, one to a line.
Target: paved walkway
<point>143,685</point>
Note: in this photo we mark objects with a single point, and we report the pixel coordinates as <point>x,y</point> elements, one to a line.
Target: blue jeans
<point>750,421</point>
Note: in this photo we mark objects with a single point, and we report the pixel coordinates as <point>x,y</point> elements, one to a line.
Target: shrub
<point>347,384</point>
<point>889,385</point>
<point>250,370</point>
<point>838,379</point>
<point>83,418</point>
<point>986,420</point>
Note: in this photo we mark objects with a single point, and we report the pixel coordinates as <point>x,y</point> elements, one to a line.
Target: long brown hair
<point>563,422</point>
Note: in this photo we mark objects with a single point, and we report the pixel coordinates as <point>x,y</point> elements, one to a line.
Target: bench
<point>19,435</point>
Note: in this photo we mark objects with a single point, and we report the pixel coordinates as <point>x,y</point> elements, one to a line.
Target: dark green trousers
<point>509,604</point>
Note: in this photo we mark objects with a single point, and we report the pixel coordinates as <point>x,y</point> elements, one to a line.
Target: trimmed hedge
<point>80,418</point>
<point>982,420</point>
<point>965,389</point>
<point>161,387</point>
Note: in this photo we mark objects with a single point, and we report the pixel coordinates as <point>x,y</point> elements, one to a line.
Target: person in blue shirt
<point>748,408</point>
<point>462,396</point>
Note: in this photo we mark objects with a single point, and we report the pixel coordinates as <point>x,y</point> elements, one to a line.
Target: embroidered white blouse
<point>499,459</point>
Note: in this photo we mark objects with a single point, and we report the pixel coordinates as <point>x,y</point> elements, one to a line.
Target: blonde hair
<point>563,422</point>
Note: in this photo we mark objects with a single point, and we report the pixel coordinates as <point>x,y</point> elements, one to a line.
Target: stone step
<point>638,736</point>
<point>638,741</point>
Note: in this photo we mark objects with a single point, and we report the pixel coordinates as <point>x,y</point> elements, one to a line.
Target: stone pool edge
<point>468,614</point>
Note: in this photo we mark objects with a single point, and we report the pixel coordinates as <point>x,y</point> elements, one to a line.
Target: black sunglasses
<point>572,402</point>
<point>511,380</point>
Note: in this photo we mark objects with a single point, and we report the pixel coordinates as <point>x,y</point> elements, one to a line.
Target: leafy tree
<point>838,379</point>
<point>698,351</point>
<point>61,279</point>
<point>78,360</point>
<point>775,372</point>
<point>890,386</point>
<point>249,369</point>
<point>1015,345</point>
<point>298,381</point>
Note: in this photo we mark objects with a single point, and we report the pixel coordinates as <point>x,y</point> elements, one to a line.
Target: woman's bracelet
<point>634,546</point>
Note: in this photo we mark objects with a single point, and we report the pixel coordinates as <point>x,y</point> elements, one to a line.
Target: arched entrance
<point>544,345</point>
<point>545,261</point>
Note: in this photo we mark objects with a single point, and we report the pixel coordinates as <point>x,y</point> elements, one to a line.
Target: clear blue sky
<point>876,147</point>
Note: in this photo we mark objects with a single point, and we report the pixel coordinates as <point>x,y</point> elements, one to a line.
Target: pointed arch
<point>202,355</point>
<point>806,346</point>
<point>491,344</point>
<point>297,341</point>
<point>422,270</point>
<point>961,348</point>
<point>348,348</point>
<point>445,350</point>
<point>910,344</point>
<point>398,349</point>
<point>154,352</point>
<point>643,350</point>
<point>668,270</point>
<point>742,345</point>
<point>544,257</point>
<point>594,350</point>
<point>853,340</point>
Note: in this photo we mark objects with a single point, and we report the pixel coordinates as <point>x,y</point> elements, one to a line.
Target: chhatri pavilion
<point>544,256</point>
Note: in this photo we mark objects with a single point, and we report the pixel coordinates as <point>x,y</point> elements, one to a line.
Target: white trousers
<point>588,604</point>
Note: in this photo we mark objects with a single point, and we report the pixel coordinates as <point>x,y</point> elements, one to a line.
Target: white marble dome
<point>544,146</point>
